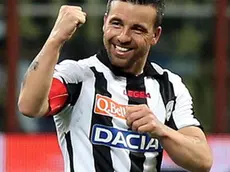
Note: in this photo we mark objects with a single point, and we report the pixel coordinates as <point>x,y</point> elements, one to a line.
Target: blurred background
<point>194,44</point>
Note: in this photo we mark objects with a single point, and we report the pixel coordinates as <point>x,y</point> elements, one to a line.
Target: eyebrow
<point>116,19</point>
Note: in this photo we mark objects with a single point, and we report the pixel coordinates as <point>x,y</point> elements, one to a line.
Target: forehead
<point>133,13</point>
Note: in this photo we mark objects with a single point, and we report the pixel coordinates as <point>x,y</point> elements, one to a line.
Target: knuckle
<point>144,106</point>
<point>82,20</point>
<point>150,117</point>
<point>79,8</point>
<point>130,118</point>
<point>139,130</point>
<point>135,124</point>
<point>63,8</point>
<point>153,125</point>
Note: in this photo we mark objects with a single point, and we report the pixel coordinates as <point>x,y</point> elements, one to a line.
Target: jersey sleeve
<point>57,98</point>
<point>183,112</point>
<point>69,71</point>
<point>65,87</point>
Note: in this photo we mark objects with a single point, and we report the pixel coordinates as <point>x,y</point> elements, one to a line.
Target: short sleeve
<point>183,112</point>
<point>69,71</point>
<point>71,74</point>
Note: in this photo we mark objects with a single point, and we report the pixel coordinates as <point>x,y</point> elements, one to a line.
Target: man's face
<point>129,33</point>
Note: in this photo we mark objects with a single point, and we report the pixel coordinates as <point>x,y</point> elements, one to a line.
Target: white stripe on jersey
<point>156,102</point>
<point>116,156</point>
<point>82,132</point>
<point>150,163</point>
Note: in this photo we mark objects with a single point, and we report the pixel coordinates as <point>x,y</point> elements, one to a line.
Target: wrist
<point>163,133</point>
<point>55,43</point>
<point>57,39</point>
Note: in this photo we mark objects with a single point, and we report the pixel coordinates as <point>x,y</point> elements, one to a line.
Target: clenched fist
<point>69,19</point>
<point>141,119</point>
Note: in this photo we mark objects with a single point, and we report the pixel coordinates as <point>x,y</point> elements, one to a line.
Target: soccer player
<point>115,111</point>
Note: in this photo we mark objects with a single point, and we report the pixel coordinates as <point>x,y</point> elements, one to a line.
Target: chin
<point>121,63</point>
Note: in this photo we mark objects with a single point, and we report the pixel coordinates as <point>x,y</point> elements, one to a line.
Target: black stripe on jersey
<point>200,126</point>
<point>101,153</point>
<point>136,84</point>
<point>167,94</point>
<point>74,91</point>
<point>70,150</point>
<point>166,88</point>
<point>159,161</point>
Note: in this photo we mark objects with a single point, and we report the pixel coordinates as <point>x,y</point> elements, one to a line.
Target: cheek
<point>143,47</point>
<point>148,40</point>
<point>143,43</point>
<point>109,33</point>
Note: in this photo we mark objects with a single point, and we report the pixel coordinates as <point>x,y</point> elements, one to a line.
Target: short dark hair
<point>158,4</point>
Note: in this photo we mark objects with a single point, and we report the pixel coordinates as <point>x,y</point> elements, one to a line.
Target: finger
<point>145,128</point>
<point>132,109</point>
<point>77,12</point>
<point>77,8</point>
<point>140,122</point>
<point>70,8</point>
<point>133,117</point>
<point>84,13</point>
<point>80,18</point>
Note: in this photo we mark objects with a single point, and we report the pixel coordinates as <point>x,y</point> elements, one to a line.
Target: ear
<point>157,34</point>
<point>105,19</point>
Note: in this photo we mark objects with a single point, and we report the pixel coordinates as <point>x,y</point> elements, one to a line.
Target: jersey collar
<point>103,58</point>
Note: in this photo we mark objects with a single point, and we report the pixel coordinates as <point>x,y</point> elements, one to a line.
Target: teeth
<point>122,49</point>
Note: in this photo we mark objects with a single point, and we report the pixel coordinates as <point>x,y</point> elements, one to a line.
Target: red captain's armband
<point>58,96</point>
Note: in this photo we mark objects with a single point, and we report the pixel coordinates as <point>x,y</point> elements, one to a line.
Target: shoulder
<point>77,63</point>
<point>171,77</point>
<point>75,71</point>
<point>76,67</point>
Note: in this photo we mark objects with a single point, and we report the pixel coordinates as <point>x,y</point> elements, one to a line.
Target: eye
<point>138,30</point>
<point>116,23</point>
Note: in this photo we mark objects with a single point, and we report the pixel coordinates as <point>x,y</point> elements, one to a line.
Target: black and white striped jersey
<point>92,130</point>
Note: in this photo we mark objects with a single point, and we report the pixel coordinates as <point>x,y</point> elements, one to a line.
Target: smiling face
<point>129,33</point>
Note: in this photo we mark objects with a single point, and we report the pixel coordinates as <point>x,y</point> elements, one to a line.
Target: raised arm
<point>33,98</point>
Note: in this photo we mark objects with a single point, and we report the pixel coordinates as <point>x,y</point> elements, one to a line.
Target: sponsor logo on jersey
<point>169,109</point>
<point>106,106</point>
<point>137,94</point>
<point>133,141</point>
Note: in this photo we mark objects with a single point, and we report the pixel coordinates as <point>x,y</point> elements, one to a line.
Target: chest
<point>109,97</point>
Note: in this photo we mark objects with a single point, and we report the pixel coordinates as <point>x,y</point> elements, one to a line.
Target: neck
<point>137,68</point>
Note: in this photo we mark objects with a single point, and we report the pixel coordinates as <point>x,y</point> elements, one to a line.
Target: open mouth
<point>122,50</point>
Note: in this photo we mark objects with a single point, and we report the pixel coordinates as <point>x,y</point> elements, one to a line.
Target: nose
<point>124,36</point>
